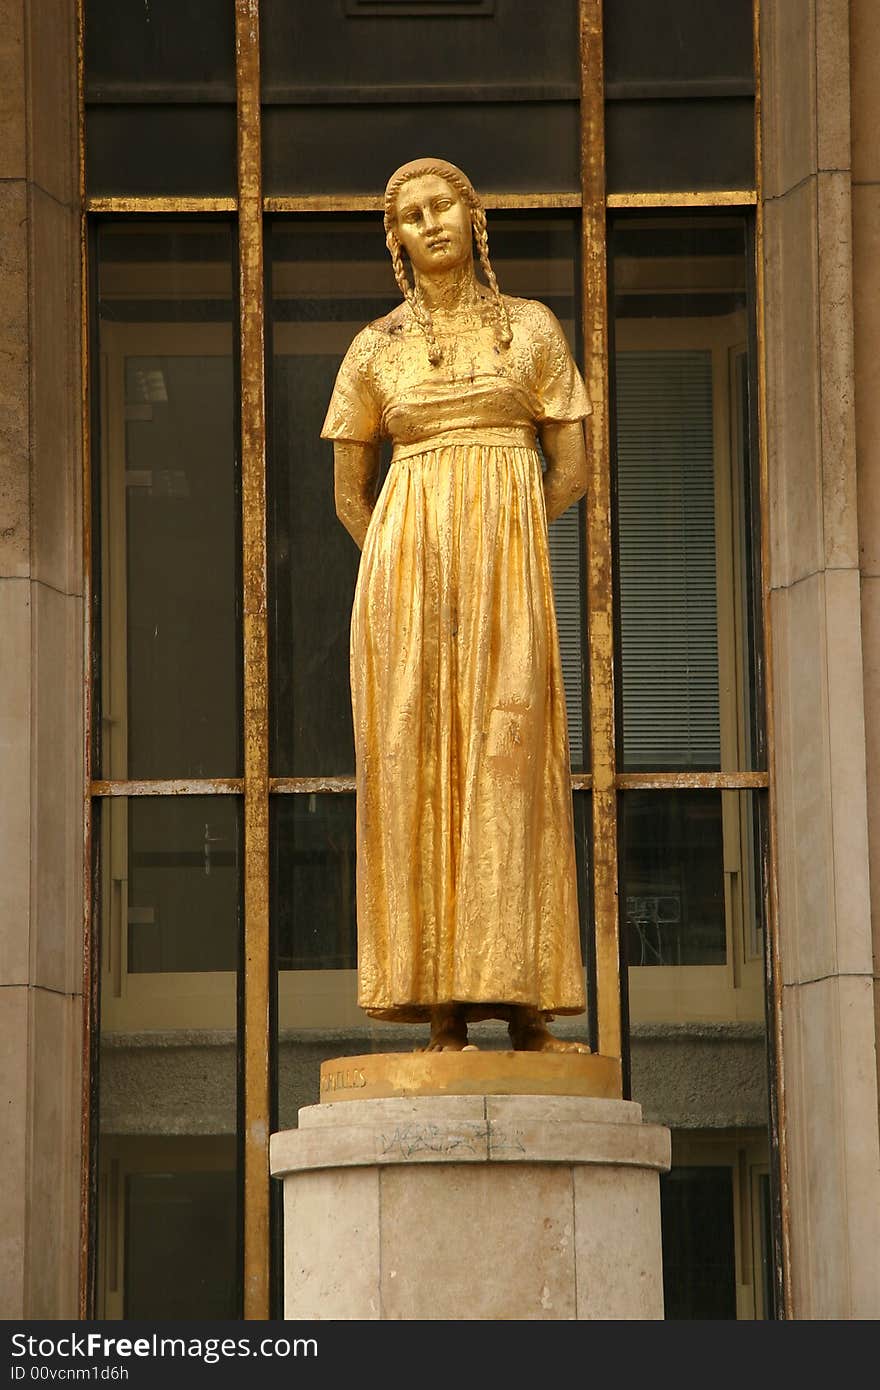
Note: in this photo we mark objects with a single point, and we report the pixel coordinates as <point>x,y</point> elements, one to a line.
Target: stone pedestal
<point>465,1206</point>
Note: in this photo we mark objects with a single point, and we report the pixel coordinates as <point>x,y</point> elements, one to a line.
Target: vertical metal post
<point>256,721</point>
<point>599,561</point>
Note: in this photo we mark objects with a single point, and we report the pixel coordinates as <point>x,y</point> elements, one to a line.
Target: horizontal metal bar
<point>298,785</point>
<point>687,89</point>
<point>373,202</point>
<point>166,203</point>
<point>176,786</point>
<point>401,94</point>
<point>686,198</point>
<point>691,781</point>
<point>210,93</point>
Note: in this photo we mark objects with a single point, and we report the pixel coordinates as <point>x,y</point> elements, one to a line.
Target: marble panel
<point>54,1165</point>
<point>618,1243</point>
<point>788,79</point>
<point>864,37</point>
<point>57,791</point>
<point>331,1245</point>
<point>866,321</point>
<point>53,119</point>
<point>832,84</point>
<point>13,156</point>
<point>502,1241</point>
<point>840,520</point>
<point>793,403</point>
<point>14,392</point>
<point>56,468</point>
<point>15,774</point>
<point>834,1168</point>
<point>13,1147</point>
<point>847,789</point>
<point>803,805</point>
<point>870,604</point>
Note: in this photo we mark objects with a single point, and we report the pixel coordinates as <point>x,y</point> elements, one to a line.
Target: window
<point>235,248</point>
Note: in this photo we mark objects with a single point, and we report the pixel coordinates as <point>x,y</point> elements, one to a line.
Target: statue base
<point>465,1206</point>
<point>384,1074</point>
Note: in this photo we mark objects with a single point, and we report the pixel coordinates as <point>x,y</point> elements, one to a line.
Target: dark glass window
<point>699,1278</point>
<point>169,495</point>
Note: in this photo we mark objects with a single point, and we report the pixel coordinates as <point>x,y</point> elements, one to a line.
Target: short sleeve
<point>354,412</point>
<point>560,387</point>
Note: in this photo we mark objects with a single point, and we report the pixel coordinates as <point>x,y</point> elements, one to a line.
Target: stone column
<point>472,1207</point>
<point>829,1042</point>
<point>41,667</point>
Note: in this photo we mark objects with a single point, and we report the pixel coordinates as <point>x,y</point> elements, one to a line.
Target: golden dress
<point>466,885</point>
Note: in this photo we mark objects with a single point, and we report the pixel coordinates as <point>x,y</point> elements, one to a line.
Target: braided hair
<point>462,185</point>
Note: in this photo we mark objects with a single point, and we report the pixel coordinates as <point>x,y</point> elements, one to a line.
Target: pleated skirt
<point>466,882</point>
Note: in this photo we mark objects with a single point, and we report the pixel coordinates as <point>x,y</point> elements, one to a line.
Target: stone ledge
<point>429,1130</point>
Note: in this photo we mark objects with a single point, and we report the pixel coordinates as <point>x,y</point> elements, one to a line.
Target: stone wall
<point>41,770</point>
<point>829,1039</point>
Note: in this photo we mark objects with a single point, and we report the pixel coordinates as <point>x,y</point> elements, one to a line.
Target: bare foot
<point>448,1030</point>
<point>529,1033</point>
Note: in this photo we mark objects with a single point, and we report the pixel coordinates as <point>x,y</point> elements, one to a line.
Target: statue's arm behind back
<point>565,480</point>
<point>356,473</point>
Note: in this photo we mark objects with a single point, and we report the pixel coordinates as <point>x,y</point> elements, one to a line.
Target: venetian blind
<point>669,637</point>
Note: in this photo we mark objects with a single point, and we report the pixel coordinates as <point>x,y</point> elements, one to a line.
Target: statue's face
<point>433,224</point>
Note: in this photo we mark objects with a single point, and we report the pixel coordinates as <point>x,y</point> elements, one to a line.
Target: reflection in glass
<point>699,1266</point>
<point>313,882</point>
<point>184,866</point>
<point>673,878</point>
<point>329,278</point>
<point>171,939</point>
<point>692,901</point>
<point>182,1222</point>
<point>686,516</point>
<point>169,503</point>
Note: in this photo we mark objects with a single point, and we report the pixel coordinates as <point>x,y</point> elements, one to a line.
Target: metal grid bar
<point>689,198</point>
<point>599,570</point>
<point>256,731</point>
<point>165,203</point>
<point>175,786</point>
<point>694,781</point>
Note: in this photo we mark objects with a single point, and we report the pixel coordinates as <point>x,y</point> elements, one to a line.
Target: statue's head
<point>417,169</point>
<point>462,221</point>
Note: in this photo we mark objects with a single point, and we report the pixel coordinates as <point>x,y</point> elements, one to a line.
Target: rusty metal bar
<point>288,786</point>
<point>599,576</point>
<point>90,972</point>
<point>123,203</point>
<point>256,727</point>
<point>686,198</point>
<point>370,202</point>
<point>695,781</point>
<point>774,1009</point>
<point>180,786</point>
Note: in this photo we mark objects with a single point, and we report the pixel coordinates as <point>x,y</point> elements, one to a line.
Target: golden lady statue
<point>467,899</point>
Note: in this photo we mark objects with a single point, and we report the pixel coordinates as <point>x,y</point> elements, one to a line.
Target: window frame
<point>249,209</point>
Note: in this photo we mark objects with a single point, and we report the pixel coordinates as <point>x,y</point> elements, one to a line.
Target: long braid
<point>462,184</point>
<point>421,312</point>
<point>481,236</point>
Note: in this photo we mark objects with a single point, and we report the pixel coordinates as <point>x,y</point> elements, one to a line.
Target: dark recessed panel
<point>354,45</point>
<point>501,146</point>
<point>151,150</point>
<point>151,47</point>
<point>662,145</point>
<point>651,42</point>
